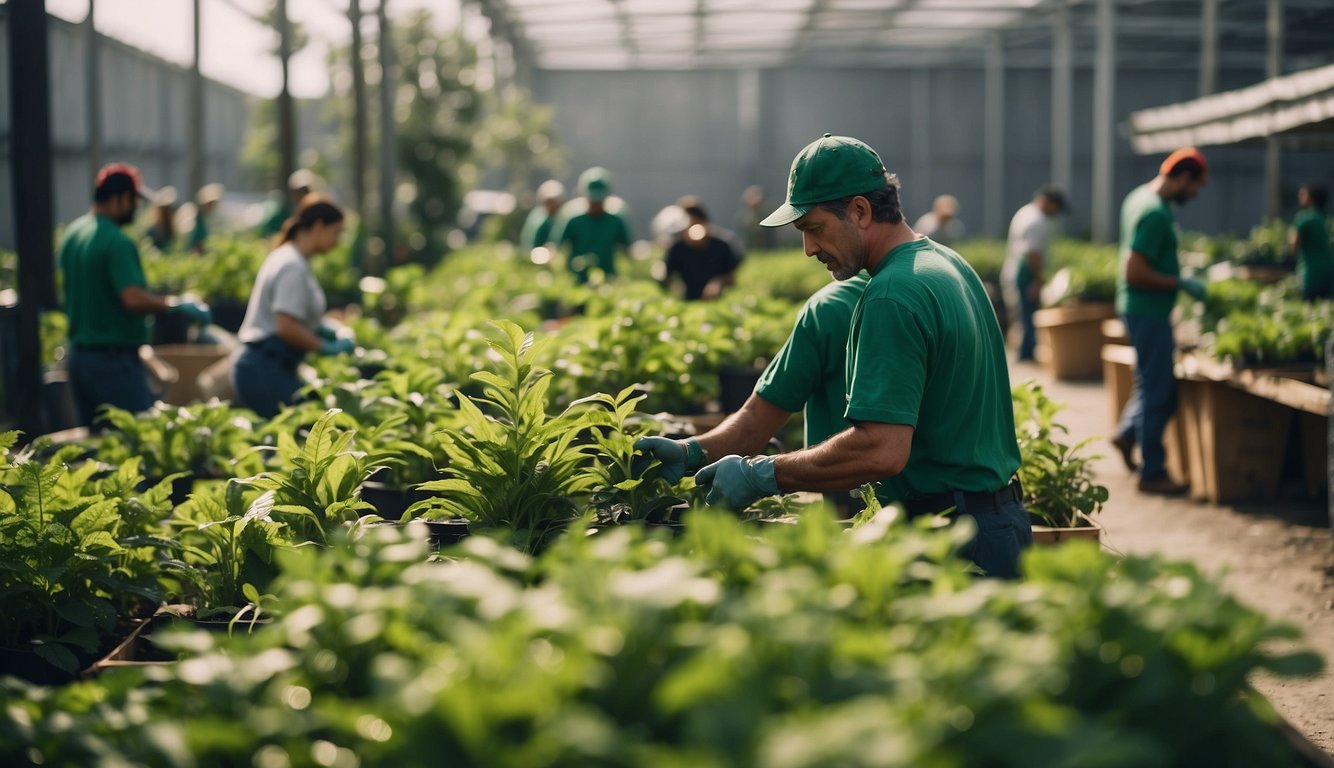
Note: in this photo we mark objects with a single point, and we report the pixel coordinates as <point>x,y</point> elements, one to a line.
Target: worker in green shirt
<point>536,231</point>
<point>206,202</point>
<point>279,207</point>
<point>107,301</point>
<point>591,229</point>
<point>1146,292</point>
<point>806,375</point>
<point>928,390</point>
<point>1309,242</point>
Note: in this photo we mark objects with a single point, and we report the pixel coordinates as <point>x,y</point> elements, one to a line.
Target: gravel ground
<point>1276,557</point>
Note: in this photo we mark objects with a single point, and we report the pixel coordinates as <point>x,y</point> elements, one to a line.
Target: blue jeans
<point>107,376</point>
<point>1002,536</point>
<point>264,376</point>
<point>1154,399</point>
<point>1026,309</point>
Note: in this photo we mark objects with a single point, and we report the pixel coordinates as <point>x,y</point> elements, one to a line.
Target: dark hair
<point>693,207</point>
<point>885,204</point>
<point>1318,194</point>
<point>1188,166</point>
<point>313,208</point>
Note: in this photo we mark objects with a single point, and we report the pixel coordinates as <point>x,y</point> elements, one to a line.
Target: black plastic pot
<point>170,328</point>
<point>735,385</point>
<point>227,313</point>
<point>181,487</point>
<point>390,501</point>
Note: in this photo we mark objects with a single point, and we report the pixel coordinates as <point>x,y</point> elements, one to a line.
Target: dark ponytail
<point>313,208</point>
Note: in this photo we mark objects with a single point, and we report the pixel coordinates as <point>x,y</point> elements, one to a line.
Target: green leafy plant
<point>622,493</point>
<point>229,539</point>
<point>1058,480</point>
<point>73,557</point>
<point>200,439</point>
<point>316,484</point>
<point>511,465</point>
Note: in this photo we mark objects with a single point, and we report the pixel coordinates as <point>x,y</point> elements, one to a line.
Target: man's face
<point>835,242</point>
<point>124,208</point>
<point>1186,189</point>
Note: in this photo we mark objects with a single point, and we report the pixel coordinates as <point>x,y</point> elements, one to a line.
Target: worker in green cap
<point>537,226</point>
<point>928,390</point>
<point>592,229</point>
<point>806,375</point>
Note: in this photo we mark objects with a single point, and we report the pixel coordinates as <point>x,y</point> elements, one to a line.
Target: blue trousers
<point>107,376</point>
<point>1154,399</point>
<point>1002,536</point>
<point>1026,309</point>
<point>264,376</point>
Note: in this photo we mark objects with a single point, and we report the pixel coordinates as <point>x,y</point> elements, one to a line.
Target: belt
<point>970,502</point>
<point>118,348</point>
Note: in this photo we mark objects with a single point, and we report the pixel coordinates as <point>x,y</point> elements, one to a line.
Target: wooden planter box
<point>1118,377</point>
<point>189,360</point>
<point>1234,442</point>
<point>1048,536</point>
<point>1070,340</point>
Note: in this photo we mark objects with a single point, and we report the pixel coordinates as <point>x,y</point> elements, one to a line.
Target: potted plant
<point>1057,478</point>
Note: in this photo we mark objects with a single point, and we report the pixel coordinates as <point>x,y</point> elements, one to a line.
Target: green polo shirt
<point>1314,262</point>
<point>925,350</point>
<point>537,228</point>
<point>1149,228</point>
<point>100,261</point>
<point>808,372</point>
<point>592,240</point>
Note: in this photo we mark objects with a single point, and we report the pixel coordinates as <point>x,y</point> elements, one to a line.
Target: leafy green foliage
<point>316,484</point>
<point>228,537</point>
<point>511,465</point>
<point>1058,479</point>
<point>802,646</point>
<point>76,552</point>
<point>199,439</point>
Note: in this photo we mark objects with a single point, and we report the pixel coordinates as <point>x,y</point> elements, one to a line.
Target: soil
<point>1275,557</point>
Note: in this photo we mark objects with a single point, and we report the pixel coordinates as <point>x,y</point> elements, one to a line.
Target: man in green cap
<point>107,301</point>
<point>806,375</point>
<point>928,390</point>
<point>591,228</point>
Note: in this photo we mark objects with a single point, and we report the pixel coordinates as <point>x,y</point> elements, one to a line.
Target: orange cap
<point>1185,153</point>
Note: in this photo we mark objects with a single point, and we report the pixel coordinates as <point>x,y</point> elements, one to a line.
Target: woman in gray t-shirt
<point>285,317</point>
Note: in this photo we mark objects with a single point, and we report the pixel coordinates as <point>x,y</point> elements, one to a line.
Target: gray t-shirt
<point>285,284</point>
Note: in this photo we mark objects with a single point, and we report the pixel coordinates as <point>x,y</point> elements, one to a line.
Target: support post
<point>30,177</point>
<point>286,109</point>
<point>92,83</point>
<point>358,113</point>
<point>1062,98</point>
<point>919,136</point>
<point>387,160</point>
<point>1273,148</point>
<point>993,161</point>
<point>195,133</point>
<point>748,122</point>
<point>1104,86</point>
<point>1209,48</point>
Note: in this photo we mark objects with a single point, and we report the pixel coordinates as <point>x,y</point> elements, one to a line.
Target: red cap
<point>1185,153</point>
<point>123,176</point>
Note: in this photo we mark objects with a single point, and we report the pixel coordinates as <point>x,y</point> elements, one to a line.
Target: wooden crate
<point>1118,377</point>
<point>1070,340</point>
<point>1234,441</point>
<point>1315,452</point>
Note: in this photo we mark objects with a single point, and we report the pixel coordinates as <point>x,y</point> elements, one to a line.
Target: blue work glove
<point>196,311</point>
<point>677,457</point>
<point>738,481</point>
<point>337,346</point>
<point>1194,286</point>
<point>327,331</point>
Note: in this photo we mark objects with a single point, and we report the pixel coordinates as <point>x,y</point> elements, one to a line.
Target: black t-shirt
<point>697,266</point>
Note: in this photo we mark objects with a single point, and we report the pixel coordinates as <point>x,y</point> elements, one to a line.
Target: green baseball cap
<point>829,168</point>
<point>595,183</point>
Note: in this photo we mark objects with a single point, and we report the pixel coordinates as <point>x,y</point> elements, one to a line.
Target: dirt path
<point>1277,558</point>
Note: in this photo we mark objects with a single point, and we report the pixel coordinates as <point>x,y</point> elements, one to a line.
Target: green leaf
<point>58,656</point>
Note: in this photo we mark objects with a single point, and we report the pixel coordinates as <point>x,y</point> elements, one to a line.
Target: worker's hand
<point>677,457</point>
<point>1195,287</point>
<point>327,331</point>
<point>737,481</point>
<point>197,311</point>
<point>337,346</point>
